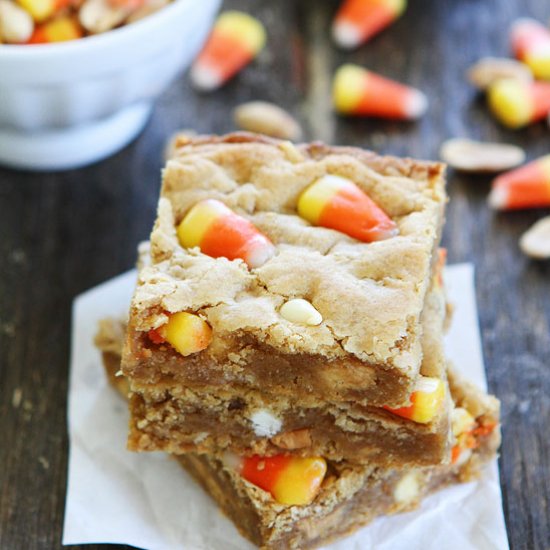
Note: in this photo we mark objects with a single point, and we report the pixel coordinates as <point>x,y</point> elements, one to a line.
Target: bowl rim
<point>34,51</point>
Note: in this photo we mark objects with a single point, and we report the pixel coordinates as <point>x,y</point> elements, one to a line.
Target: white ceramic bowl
<point>69,104</point>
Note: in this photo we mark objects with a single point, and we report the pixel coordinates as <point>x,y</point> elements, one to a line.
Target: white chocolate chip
<point>536,242</point>
<point>407,489</point>
<point>489,69</point>
<point>231,461</point>
<point>476,156</point>
<point>265,424</point>
<point>302,312</point>
<point>266,118</point>
<point>200,437</point>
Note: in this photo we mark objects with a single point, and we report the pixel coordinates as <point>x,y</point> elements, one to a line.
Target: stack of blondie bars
<point>285,339</point>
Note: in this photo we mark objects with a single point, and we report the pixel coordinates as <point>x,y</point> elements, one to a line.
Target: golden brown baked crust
<point>370,296</point>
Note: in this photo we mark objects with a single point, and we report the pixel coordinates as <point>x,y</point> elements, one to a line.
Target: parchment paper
<point>149,501</point>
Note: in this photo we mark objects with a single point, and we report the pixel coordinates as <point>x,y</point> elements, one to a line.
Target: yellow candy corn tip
<point>187,333</point>
<point>300,482</point>
<point>510,102</point>
<point>40,10</point>
<point>314,199</point>
<point>348,87</point>
<point>243,26</point>
<point>539,63</point>
<point>430,393</point>
<point>197,221</point>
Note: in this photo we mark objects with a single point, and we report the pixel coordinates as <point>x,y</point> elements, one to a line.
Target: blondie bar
<point>350,495</point>
<point>357,336</point>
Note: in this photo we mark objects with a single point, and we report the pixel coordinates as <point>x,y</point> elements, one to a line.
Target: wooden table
<point>63,233</point>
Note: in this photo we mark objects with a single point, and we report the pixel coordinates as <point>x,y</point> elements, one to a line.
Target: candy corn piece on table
<point>285,502</point>
<point>357,21</point>
<point>530,41</point>
<point>525,187</point>
<point>359,92</point>
<point>236,39</point>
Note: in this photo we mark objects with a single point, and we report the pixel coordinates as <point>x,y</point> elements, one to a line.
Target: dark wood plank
<point>63,233</point>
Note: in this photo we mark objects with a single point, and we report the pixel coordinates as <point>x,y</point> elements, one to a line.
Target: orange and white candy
<point>518,103</point>
<point>530,42</point>
<point>219,232</point>
<point>291,480</point>
<point>359,20</point>
<point>337,203</point>
<point>426,401</point>
<point>186,332</point>
<point>357,91</point>
<point>60,29</point>
<point>525,187</point>
<point>235,41</point>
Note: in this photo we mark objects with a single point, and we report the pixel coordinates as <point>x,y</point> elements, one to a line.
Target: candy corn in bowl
<point>68,104</point>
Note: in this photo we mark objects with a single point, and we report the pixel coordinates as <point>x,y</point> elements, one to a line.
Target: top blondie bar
<point>365,341</point>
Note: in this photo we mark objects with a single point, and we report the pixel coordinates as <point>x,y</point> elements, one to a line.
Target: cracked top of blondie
<point>370,295</point>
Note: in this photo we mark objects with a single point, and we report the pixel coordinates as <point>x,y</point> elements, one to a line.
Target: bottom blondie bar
<point>351,495</point>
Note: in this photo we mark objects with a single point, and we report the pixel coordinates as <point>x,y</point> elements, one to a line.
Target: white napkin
<point>147,500</point>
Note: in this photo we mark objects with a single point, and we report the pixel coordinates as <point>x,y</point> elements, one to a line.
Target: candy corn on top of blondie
<point>304,249</point>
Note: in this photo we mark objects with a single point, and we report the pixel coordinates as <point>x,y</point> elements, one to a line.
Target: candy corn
<point>236,39</point>
<point>517,104</point>
<point>40,10</point>
<point>219,232</point>
<point>531,44</point>
<point>359,20</point>
<point>525,187</point>
<point>57,30</point>
<point>467,433</point>
<point>357,91</point>
<point>186,332</point>
<point>337,203</point>
<point>425,401</point>
<point>290,480</point>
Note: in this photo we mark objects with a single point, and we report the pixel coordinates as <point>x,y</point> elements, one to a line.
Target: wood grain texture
<point>63,233</point>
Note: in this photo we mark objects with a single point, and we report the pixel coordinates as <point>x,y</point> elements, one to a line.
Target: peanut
<point>266,118</point>
<point>536,242</point>
<point>475,156</point>
<point>489,69</point>
<point>16,25</point>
